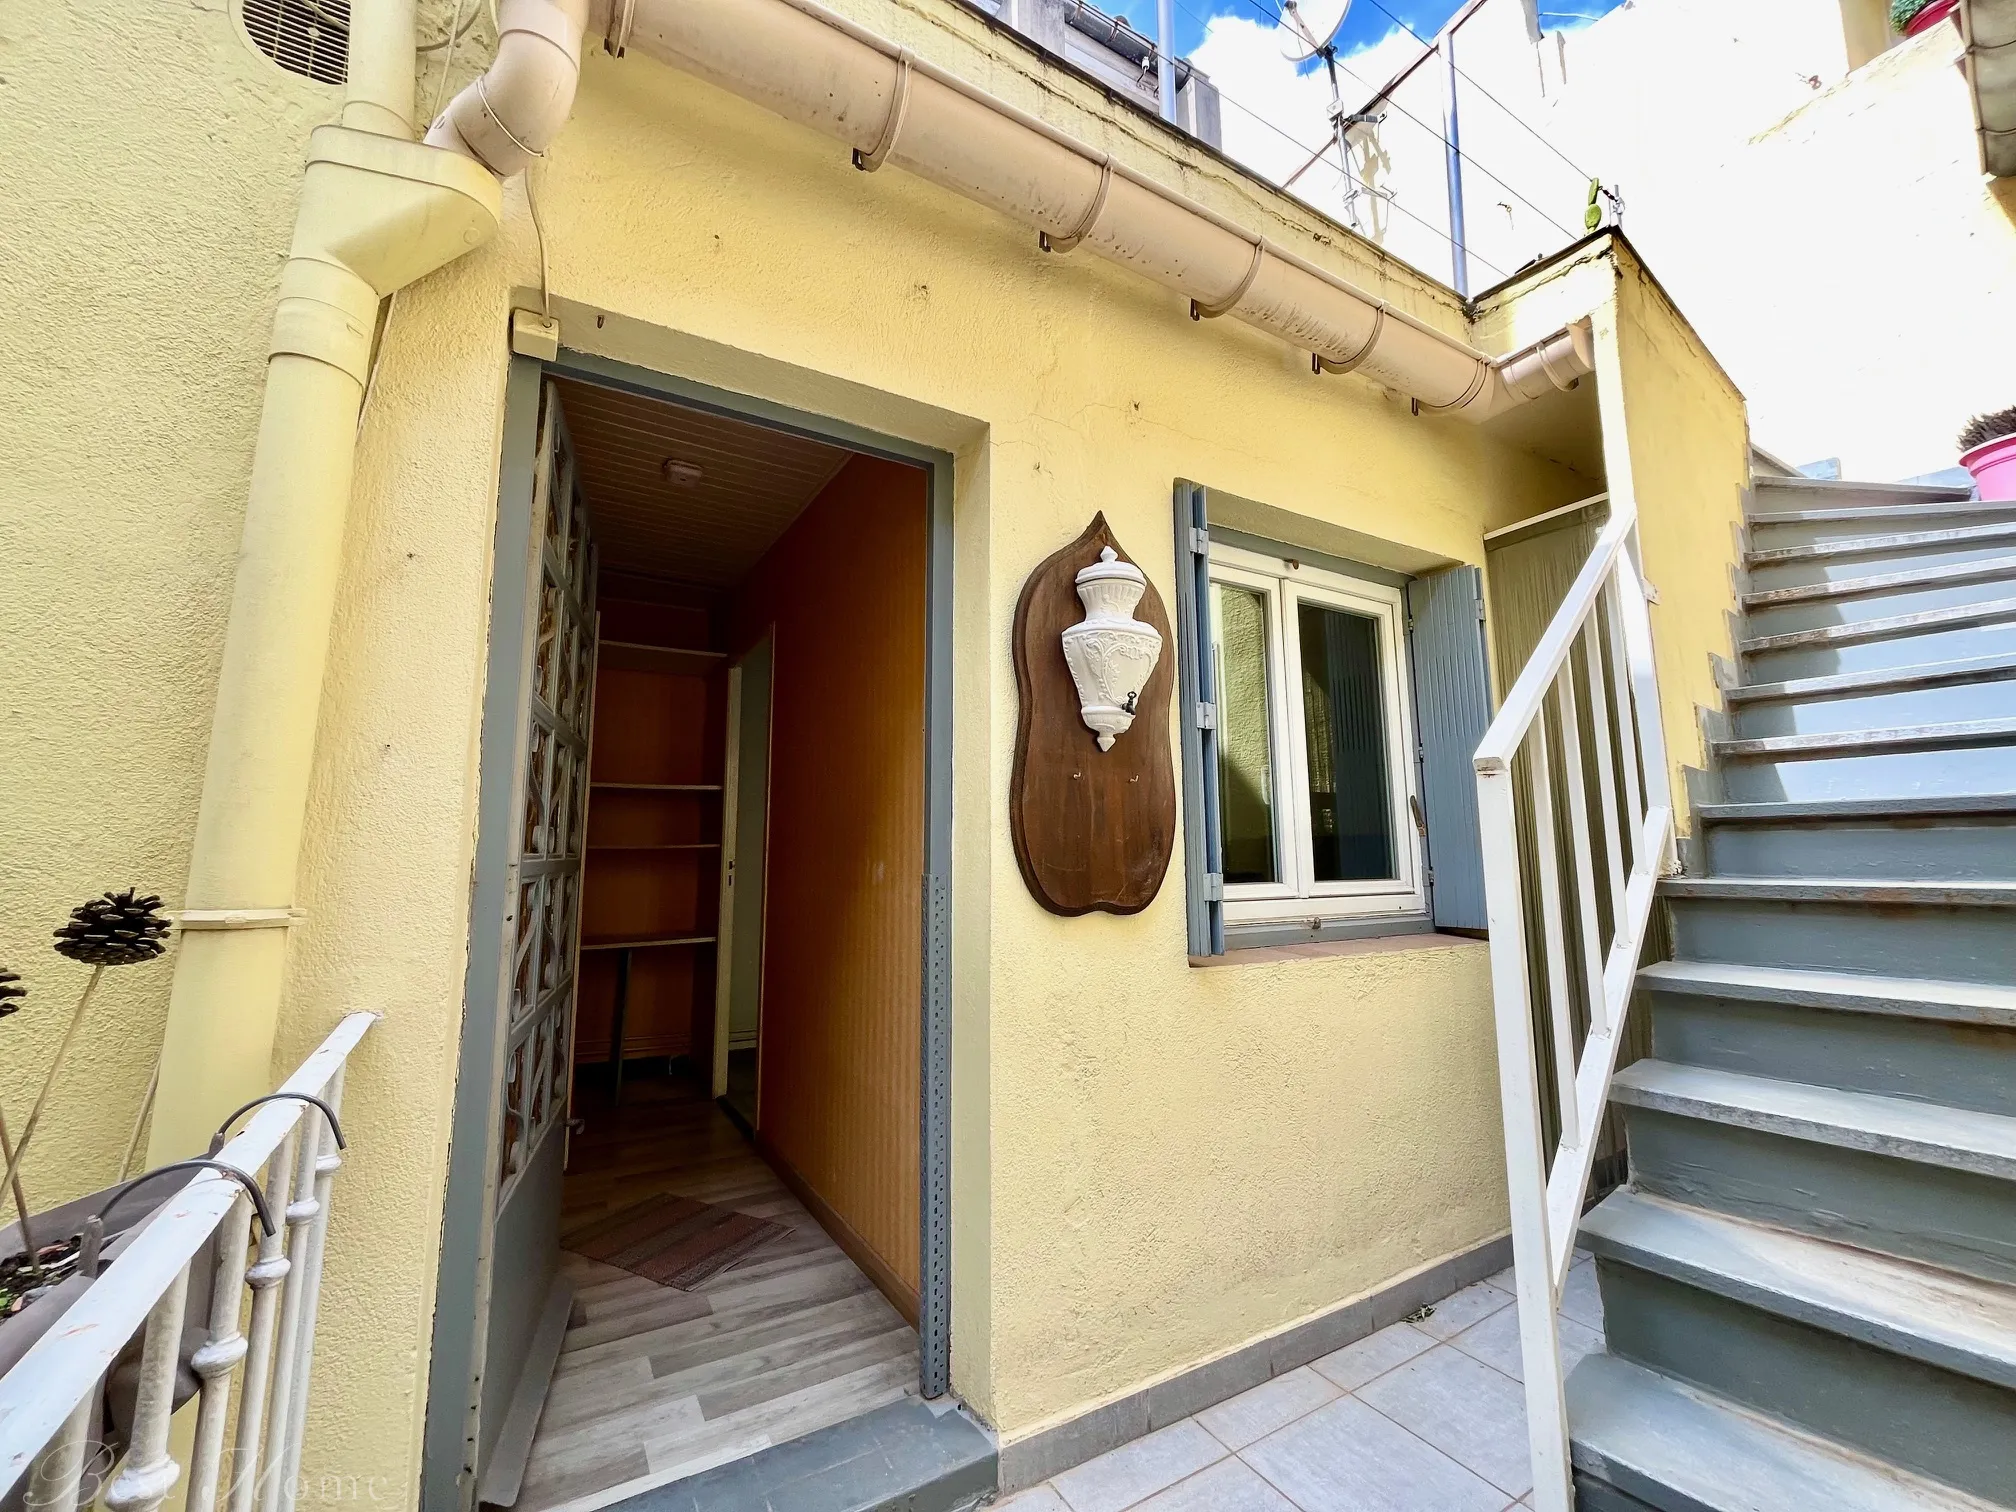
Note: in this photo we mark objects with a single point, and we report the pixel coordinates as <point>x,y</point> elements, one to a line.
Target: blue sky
<point>1369,21</point>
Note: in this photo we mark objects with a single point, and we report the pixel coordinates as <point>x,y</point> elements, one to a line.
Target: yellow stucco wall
<point>1154,1163</point>
<point>139,250</point>
<point>1685,461</point>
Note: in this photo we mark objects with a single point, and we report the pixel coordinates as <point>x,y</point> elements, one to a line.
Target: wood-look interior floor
<point>655,1384</point>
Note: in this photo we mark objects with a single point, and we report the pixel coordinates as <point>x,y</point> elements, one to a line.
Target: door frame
<point>732,798</point>
<point>448,1479</point>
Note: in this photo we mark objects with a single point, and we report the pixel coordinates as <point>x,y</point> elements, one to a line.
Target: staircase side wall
<point>1676,440</point>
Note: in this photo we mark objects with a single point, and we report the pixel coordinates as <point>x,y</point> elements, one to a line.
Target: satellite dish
<point>1309,26</point>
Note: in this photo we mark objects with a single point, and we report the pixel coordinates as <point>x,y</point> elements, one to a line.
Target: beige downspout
<point>378,210</point>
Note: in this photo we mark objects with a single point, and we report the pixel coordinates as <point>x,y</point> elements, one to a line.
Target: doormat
<point>674,1241</point>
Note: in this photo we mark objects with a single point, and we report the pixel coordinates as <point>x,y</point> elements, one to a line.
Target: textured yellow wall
<point>1688,448</point>
<point>1153,1163</point>
<point>1176,1160</point>
<point>149,177</point>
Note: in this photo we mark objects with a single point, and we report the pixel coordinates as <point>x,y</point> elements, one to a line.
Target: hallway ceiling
<point>705,533</point>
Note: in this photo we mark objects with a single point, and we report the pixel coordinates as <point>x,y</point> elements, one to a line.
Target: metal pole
<point>1165,56</point>
<point>1342,128</point>
<point>1453,138</point>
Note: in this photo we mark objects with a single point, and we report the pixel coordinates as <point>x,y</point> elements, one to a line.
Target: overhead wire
<point>1317,154</point>
<point>1524,124</point>
<point>1433,131</point>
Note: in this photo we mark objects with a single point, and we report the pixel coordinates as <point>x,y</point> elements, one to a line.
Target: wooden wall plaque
<point>1093,830</point>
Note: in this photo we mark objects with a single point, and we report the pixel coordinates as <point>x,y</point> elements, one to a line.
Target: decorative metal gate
<point>552,804</point>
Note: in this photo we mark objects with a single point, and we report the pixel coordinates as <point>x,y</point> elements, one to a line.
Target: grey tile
<point>1580,1299</point>
<point>1035,1499</point>
<point>1472,1413</point>
<point>1355,1364</point>
<point>1345,1457</point>
<point>1255,1414</point>
<point>1471,1305</point>
<point>1228,1486</point>
<point>1495,1341</point>
<point>1140,1469</point>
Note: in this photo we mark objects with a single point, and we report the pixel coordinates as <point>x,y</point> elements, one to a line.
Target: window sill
<point>1262,955</point>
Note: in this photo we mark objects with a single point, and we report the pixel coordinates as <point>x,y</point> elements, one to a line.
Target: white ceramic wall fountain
<point>1111,654</point>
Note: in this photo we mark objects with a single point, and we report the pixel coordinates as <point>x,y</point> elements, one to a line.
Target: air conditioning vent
<point>307,37</point>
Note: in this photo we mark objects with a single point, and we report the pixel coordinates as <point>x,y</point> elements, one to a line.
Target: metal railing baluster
<point>217,1358</point>
<point>149,1474</point>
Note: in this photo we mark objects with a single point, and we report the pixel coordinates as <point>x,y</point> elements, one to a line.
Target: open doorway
<point>708,1225</point>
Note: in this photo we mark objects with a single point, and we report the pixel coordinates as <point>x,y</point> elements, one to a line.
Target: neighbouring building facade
<point>797,437</point>
<point>1823,196</point>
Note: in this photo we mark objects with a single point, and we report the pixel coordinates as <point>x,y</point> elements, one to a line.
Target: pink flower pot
<point>1994,467</point>
<point>1930,17</point>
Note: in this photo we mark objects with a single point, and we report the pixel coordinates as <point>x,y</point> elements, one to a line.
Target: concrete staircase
<point>1810,1283</point>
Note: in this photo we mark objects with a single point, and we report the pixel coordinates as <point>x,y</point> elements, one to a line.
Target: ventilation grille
<point>307,37</point>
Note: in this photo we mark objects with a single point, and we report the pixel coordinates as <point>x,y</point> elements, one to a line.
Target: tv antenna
<point>1309,30</point>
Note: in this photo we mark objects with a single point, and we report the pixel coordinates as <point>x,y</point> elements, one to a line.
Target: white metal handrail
<point>1629,800</point>
<point>50,1400</point>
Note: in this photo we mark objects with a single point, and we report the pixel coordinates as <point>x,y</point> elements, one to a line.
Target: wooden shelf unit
<point>651,883</point>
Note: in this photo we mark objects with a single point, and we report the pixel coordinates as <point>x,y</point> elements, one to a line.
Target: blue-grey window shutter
<point>1203,866</point>
<point>1452,707</point>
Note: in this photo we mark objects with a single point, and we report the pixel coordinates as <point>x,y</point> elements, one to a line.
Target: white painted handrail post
<point>328,1159</point>
<point>274,1493</point>
<point>1525,1150</point>
<point>149,1474</point>
<point>1605,608</point>
<point>1645,692</point>
<point>57,1480</point>
<point>265,1277</point>
<point>215,1360</point>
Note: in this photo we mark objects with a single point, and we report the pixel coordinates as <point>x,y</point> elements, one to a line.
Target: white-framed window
<point>1317,784</point>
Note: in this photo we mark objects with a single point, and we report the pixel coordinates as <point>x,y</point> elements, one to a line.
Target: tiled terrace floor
<point>1421,1417</point>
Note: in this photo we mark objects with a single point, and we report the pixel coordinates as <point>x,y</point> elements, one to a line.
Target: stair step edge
<point>1931,493</point>
<point>1954,1322</point>
<point>1958,1139</point>
<point>1894,738</point>
<point>1922,806</point>
<point>1925,621</point>
<point>1951,574</point>
<point>1644,1432</point>
<point>1919,675</point>
<point>1872,545</point>
<point>1844,890</point>
<point>1918,997</point>
<point>1942,509</point>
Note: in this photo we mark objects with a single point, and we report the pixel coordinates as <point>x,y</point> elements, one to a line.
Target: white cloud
<point>1275,115</point>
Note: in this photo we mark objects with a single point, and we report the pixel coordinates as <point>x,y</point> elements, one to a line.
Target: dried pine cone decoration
<point>115,930</point>
<point>11,992</point>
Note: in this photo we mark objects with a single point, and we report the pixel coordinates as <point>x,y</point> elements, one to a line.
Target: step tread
<point>1952,573</point>
<point>1917,997</point>
<point>1644,1432</point>
<point>1929,510</point>
<point>1956,617</point>
<point>1870,545</point>
<point>1923,675</point>
<point>1844,890</point>
<point>1960,1139</point>
<point>1897,737</point>
<point>1954,1322</point>
<point>1930,493</point>
<point>1950,805</point>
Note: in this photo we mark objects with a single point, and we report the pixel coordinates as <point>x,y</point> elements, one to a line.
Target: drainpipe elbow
<point>1555,363</point>
<point>511,113</point>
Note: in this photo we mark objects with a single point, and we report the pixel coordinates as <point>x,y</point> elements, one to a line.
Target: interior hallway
<point>654,1384</point>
